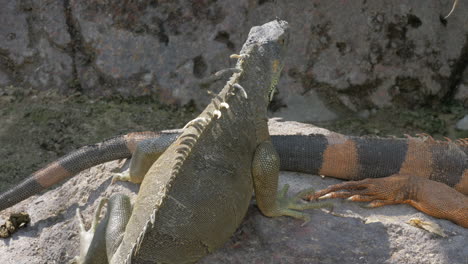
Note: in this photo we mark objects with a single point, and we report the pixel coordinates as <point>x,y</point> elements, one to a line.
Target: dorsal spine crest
<point>188,141</point>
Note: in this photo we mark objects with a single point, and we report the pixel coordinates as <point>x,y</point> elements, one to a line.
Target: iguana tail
<point>336,155</point>
<point>118,147</point>
<point>358,158</point>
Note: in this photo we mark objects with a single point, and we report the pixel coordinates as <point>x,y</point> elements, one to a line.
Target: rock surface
<point>360,235</point>
<point>345,56</point>
<point>461,93</point>
<point>462,124</point>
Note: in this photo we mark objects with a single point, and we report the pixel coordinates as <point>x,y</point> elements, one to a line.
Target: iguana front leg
<point>146,153</point>
<point>265,173</point>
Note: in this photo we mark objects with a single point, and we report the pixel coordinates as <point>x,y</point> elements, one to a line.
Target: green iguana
<point>197,192</point>
<point>195,195</point>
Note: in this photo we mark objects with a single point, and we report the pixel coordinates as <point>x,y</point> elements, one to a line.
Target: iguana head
<point>269,41</point>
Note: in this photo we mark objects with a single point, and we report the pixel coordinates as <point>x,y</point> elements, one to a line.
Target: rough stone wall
<point>345,56</point>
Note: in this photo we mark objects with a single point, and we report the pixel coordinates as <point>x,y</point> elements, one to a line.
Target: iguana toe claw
<point>123,176</point>
<point>239,56</point>
<point>86,236</point>
<point>292,206</point>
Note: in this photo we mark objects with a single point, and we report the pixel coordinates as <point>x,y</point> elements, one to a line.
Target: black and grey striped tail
<point>118,147</point>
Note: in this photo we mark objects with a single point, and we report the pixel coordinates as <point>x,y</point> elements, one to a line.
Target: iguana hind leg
<point>431,197</point>
<point>265,172</point>
<point>146,153</point>
<point>92,243</point>
<point>99,243</point>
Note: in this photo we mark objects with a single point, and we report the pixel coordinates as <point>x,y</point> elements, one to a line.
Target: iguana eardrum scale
<point>332,155</point>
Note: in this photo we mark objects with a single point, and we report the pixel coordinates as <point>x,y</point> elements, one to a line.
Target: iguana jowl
<point>196,194</point>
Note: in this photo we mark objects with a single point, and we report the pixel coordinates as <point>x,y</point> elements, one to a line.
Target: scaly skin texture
<point>332,155</point>
<point>69,165</point>
<point>414,170</point>
<point>190,200</point>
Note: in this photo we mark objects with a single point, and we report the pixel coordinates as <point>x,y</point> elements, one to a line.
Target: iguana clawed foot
<point>380,191</point>
<point>239,56</point>
<point>292,206</point>
<point>86,236</point>
<point>434,198</point>
<point>121,176</point>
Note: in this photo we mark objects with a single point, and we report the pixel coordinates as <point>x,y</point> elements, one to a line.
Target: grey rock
<point>50,18</point>
<point>33,43</point>
<point>55,68</point>
<point>358,235</point>
<point>462,89</point>
<point>362,49</point>
<point>462,93</point>
<point>175,60</point>
<point>306,108</point>
<point>14,38</point>
<point>4,80</point>
<point>347,102</point>
<point>382,96</point>
<point>462,124</point>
